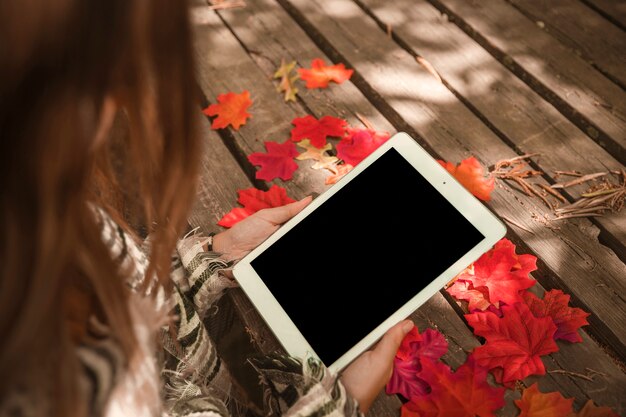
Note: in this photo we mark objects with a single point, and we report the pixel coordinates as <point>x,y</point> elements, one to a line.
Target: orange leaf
<point>534,403</point>
<point>319,75</point>
<point>470,174</point>
<point>592,410</point>
<point>230,110</point>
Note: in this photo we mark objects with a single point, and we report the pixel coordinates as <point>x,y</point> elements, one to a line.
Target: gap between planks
<point>592,128</point>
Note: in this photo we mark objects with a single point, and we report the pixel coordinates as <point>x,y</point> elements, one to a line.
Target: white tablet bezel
<point>474,211</point>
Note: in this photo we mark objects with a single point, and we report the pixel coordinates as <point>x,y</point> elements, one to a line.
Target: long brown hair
<point>60,61</point>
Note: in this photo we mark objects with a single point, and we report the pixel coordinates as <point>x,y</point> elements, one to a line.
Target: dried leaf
<point>287,80</point>
<point>323,160</point>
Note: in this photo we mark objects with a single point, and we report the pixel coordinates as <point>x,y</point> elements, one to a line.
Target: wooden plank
<point>266,29</point>
<point>405,91</point>
<point>612,10</point>
<point>271,36</point>
<point>225,66</point>
<point>344,100</point>
<point>575,88</point>
<point>520,115</point>
<point>220,178</point>
<point>583,30</point>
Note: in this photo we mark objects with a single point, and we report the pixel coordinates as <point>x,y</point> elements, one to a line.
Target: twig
<point>389,30</point>
<point>570,173</point>
<point>527,189</point>
<point>570,373</point>
<point>552,192</point>
<point>580,180</point>
<point>514,223</point>
<point>508,162</point>
<point>572,216</point>
<point>429,67</point>
<point>545,200</point>
<point>226,4</point>
<point>600,192</point>
<point>594,372</point>
<point>365,121</point>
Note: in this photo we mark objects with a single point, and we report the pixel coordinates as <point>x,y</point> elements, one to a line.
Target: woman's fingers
<point>388,346</point>
<point>279,215</point>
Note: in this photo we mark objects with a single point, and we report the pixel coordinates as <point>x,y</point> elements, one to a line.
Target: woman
<point>82,300</point>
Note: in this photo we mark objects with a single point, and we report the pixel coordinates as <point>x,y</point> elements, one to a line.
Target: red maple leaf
<point>464,393</point>
<point>230,110</point>
<point>277,162</point>
<point>409,344</point>
<point>319,75</point>
<point>555,305</point>
<point>470,174</point>
<point>359,143</point>
<point>534,403</point>
<point>308,127</point>
<point>405,380</point>
<point>592,410</point>
<point>253,200</point>
<point>500,272</point>
<point>514,342</point>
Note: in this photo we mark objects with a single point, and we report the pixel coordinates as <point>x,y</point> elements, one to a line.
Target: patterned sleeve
<point>295,388</point>
<point>197,273</point>
<point>197,382</point>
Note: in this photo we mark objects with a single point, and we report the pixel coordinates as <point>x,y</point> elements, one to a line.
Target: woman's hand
<point>246,235</point>
<point>367,375</point>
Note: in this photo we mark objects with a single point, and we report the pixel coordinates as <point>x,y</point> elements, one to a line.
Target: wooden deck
<point>518,76</point>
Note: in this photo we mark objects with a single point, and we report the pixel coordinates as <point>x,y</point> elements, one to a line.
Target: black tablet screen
<point>363,254</point>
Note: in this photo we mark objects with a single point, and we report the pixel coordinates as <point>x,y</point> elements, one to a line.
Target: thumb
<point>279,215</point>
<point>389,344</point>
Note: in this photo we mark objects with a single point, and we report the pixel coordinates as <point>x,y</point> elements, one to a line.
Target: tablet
<point>366,253</point>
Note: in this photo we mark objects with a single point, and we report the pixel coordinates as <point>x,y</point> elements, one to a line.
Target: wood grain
<point>574,87</point>
<point>584,31</point>
<point>612,10</point>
